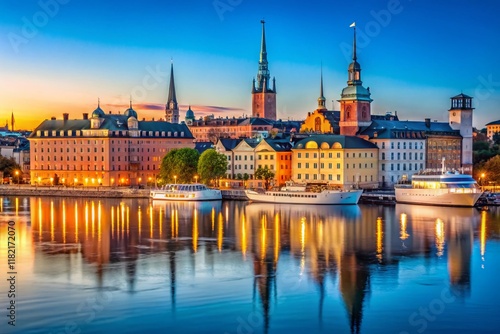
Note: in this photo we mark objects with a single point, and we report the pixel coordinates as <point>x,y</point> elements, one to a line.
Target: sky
<point>61,56</point>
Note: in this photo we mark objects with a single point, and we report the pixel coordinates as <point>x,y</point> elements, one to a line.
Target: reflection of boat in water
<point>448,189</point>
<point>350,211</point>
<point>298,194</point>
<point>431,213</point>
<point>185,192</point>
<point>189,207</point>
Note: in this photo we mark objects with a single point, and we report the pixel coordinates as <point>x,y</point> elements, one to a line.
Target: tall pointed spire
<point>172,109</point>
<point>263,72</point>
<point>263,50</point>
<point>130,102</point>
<point>98,102</point>
<point>321,98</point>
<point>354,56</point>
<point>171,90</point>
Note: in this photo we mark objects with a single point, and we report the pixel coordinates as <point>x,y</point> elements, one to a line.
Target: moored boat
<point>185,192</point>
<point>447,189</point>
<point>298,194</point>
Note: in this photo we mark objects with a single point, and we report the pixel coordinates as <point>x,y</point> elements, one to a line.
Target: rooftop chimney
<point>428,122</point>
<point>65,116</point>
<point>85,115</point>
<point>52,118</point>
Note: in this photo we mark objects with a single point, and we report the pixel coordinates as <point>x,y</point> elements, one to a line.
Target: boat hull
<point>327,197</point>
<point>440,197</point>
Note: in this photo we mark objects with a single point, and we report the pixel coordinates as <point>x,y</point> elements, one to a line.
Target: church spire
<point>263,72</point>
<point>321,99</point>
<point>354,56</point>
<point>172,109</point>
<point>263,50</point>
<point>171,89</point>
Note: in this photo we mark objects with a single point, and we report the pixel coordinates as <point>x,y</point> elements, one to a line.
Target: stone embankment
<point>60,191</point>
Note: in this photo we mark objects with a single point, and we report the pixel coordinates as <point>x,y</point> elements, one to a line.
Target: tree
<point>264,174</point>
<point>212,165</point>
<point>8,166</point>
<point>179,165</point>
<point>491,170</point>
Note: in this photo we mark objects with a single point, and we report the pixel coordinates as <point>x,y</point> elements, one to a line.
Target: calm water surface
<point>127,266</point>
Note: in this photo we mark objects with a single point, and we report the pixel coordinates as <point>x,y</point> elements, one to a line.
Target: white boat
<point>297,194</point>
<point>448,189</point>
<point>185,192</point>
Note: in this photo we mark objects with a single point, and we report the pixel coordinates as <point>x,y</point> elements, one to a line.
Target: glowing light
<point>276,237</point>
<point>195,230</point>
<point>64,220</point>
<point>263,237</point>
<point>380,236</point>
<point>52,221</point>
<point>302,244</point>
<point>220,232</point>
<point>76,222</point>
<point>244,244</point>
<point>403,221</point>
<point>439,237</point>
<point>483,234</point>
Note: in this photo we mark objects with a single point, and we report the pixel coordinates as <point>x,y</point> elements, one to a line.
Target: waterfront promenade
<point>94,192</point>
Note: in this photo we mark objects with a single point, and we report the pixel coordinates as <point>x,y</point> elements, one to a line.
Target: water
<point>128,266</point>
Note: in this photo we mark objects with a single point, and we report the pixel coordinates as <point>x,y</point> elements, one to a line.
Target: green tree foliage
<point>491,170</point>
<point>211,166</point>
<point>8,166</point>
<point>496,138</point>
<point>264,174</point>
<point>181,163</point>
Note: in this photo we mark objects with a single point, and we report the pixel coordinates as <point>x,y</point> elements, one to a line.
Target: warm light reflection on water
<point>166,257</point>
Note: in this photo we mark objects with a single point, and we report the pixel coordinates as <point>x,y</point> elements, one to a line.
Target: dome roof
<point>98,112</point>
<point>130,113</point>
<point>355,93</point>
<point>189,113</point>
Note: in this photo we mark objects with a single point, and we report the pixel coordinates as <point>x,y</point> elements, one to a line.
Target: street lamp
<point>482,181</point>
<point>196,179</point>
<point>17,176</point>
<point>175,179</point>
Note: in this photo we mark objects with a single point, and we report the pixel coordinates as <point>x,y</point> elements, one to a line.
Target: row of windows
<point>399,144</point>
<point>95,167</point>
<point>315,177</point>
<point>97,142</point>
<point>410,155</point>
<point>398,166</point>
<point>330,155</point>
<point>118,158</point>
<point>62,133</point>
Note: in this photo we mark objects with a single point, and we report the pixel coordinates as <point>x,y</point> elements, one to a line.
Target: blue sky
<point>61,55</point>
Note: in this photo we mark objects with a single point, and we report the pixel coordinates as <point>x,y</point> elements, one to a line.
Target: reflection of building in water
<point>323,240</point>
<point>444,230</point>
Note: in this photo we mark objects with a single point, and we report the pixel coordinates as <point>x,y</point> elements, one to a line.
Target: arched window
<point>317,124</point>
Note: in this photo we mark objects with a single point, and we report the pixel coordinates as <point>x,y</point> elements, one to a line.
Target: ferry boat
<point>185,192</point>
<point>298,194</point>
<point>448,189</point>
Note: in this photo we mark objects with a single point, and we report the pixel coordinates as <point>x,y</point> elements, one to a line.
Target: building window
<point>383,155</point>
<point>299,165</point>
<point>383,166</point>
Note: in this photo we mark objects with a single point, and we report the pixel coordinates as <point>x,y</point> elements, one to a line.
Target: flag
<point>353,25</point>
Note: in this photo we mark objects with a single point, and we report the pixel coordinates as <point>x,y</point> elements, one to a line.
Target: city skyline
<point>60,56</point>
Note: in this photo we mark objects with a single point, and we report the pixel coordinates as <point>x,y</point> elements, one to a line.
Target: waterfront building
<point>105,149</point>
<point>244,158</point>
<point>212,129</point>
<point>344,161</point>
<point>225,146</point>
<point>263,95</point>
<point>492,129</point>
<point>276,155</point>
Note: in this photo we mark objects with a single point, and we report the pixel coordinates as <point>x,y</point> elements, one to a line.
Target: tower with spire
<point>263,95</point>
<point>355,109</point>
<point>172,108</point>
